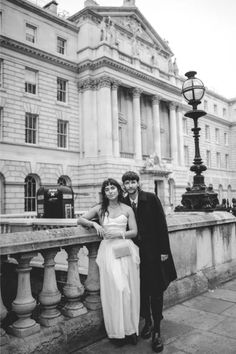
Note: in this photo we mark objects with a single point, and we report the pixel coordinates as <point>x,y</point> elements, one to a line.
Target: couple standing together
<point>130,259</point>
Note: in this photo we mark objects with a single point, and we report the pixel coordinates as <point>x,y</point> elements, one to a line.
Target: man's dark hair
<point>130,176</point>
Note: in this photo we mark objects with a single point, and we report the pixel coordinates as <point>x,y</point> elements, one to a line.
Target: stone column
<point>3,314</point>
<point>137,123</point>
<point>73,289</point>
<point>173,133</point>
<point>104,116</point>
<point>115,119</point>
<point>181,134</point>
<point>24,303</point>
<point>92,284</point>
<point>156,125</point>
<point>90,124</point>
<point>50,296</point>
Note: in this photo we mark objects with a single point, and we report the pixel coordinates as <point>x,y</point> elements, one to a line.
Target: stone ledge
<point>66,337</point>
<point>198,283</point>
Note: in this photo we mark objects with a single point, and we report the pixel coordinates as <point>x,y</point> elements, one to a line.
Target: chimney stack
<point>129,3</point>
<point>51,7</point>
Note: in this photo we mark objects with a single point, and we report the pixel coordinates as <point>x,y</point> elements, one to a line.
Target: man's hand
<point>164,257</point>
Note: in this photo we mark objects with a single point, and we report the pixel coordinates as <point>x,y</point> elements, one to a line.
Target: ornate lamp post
<point>198,197</point>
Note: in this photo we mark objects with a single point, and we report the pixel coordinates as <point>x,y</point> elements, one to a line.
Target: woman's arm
<point>133,229</point>
<point>85,220</point>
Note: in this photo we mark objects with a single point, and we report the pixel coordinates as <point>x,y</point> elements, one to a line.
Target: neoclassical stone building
<point>94,95</point>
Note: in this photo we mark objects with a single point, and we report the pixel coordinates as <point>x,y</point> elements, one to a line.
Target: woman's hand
<point>99,229</point>
<point>113,234</point>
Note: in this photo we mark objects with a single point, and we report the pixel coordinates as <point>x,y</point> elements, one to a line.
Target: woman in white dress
<point>118,262</point>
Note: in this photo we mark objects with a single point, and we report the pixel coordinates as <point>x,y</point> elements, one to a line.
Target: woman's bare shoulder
<point>126,207</point>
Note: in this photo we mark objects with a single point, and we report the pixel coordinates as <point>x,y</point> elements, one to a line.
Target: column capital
<point>137,92</point>
<point>156,99</point>
<point>173,105</point>
<point>115,84</point>
<point>104,81</point>
<point>87,84</point>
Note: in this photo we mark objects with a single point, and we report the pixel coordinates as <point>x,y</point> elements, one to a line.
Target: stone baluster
<point>137,123</point>
<point>50,296</point>
<point>73,288</point>
<point>92,284</point>
<point>24,303</point>
<point>3,314</point>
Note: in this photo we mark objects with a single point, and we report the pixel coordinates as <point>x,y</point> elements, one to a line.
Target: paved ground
<point>205,324</point>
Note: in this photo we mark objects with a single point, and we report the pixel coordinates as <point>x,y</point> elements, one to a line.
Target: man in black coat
<point>157,268</point>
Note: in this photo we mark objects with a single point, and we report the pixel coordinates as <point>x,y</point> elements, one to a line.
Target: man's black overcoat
<point>153,240</point>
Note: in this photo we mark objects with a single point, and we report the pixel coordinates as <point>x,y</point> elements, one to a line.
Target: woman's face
<point>111,192</point>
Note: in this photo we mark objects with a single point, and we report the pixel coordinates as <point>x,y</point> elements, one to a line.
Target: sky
<point>201,34</point>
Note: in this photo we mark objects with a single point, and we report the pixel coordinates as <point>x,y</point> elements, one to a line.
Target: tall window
<point>61,45</point>
<point>215,108</point>
<point>30,33</point>
<point>1,123</point>
<point>226,161</point>
<point>207,132</point>
<point>62,133</point>
<point>61,89</point>
<point>218,160</point>
<point>2,194</point>
<point>205,105</point>
<point>186,155</point>
<point>30,193</point>
<point>226,139</point>
<point>208,158</point>
<point>30,81</point>
<point>31,128</point>
<point>224,112</point>
<point>1,73</point>
<point>217,135</point>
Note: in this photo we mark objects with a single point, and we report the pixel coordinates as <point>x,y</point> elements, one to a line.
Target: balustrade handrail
<point>27,241</point>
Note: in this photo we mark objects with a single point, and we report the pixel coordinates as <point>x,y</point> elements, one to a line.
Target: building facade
<point>95,95</point>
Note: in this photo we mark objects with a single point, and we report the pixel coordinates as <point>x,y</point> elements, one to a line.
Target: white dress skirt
<point>119,282</point>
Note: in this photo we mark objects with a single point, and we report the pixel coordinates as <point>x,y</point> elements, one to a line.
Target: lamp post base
<point>198,199</point>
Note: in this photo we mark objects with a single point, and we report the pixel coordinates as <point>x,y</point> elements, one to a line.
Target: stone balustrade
<point>22,247</point>
<point>64,317</point>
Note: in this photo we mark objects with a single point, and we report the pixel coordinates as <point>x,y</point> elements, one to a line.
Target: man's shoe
<point>132,339</point>
<point>147,330</point>
<point>157,343</point>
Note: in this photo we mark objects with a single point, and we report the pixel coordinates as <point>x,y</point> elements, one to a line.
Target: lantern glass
<point>193,89</point>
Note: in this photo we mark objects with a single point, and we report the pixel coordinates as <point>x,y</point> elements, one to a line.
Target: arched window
<point>64,181</point>
<point>220,193</point>
<point>2,194</point>
<point>30,193</point>
<point>229,193</point>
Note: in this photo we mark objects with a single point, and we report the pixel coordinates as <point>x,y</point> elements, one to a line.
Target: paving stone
<point>231,285</point>
<point>171,330</point>
<point>226,328</point>
<point>191,317</point>
<point>206,343</point>
<point>231,311</point>
<point>223,294</point>
<point>205,303</point>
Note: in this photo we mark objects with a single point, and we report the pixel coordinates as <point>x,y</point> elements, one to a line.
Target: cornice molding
<point>36,53</point>
<point>89,65</point>
<point>44,13</point>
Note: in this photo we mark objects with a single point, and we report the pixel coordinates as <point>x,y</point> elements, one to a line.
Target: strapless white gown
<point>119,282</point>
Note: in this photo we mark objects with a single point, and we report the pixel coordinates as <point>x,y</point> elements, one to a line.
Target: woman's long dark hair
<point>105,200</point>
